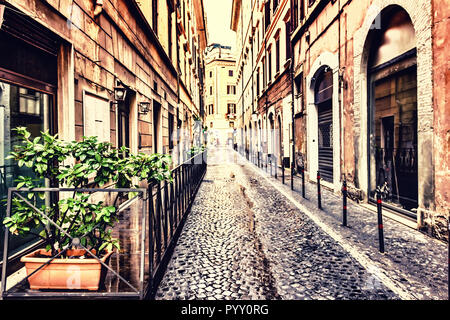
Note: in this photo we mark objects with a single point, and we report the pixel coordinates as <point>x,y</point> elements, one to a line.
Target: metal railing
<point>168,208</point>
<point>149,226</point>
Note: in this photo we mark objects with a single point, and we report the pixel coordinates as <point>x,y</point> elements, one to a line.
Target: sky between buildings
<point>218,14</point>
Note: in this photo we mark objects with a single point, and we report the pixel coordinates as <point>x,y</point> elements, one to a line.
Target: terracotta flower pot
<point>69,274</point>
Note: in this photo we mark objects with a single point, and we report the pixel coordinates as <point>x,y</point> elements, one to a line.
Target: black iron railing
<point>168,208</point>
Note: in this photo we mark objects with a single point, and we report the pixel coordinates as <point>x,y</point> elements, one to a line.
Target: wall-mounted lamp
<point>144,107</point>
<point>120,93</point>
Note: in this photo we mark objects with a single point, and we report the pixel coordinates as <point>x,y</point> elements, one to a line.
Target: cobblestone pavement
<point>244,239</point>
<point>415,262</point>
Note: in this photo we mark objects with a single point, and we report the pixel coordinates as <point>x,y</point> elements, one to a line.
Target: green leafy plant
<point>83,164</point>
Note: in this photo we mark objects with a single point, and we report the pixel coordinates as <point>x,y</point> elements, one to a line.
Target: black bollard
<point>319,197</point>
<point>270,163</point>
<point>344,203</point>
<point>282,169</point>
<point>380,222</point>
<point>276,167</point>
<point>303,182</point>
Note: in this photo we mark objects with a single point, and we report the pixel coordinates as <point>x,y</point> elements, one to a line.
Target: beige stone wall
<point>116,44</point>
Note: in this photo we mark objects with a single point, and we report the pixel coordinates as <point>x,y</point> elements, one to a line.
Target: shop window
<point>393,114</point>
<point>19,107</point>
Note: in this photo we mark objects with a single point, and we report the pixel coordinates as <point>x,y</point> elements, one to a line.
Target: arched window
<point>393,109</point>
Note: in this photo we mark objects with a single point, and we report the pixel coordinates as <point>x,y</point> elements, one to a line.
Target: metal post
<point>380,222</point>
<point>319,197</point>
<point>344,203</point>
<point>276,167</point>
<point>270,161</point>
<point>282,168</point>
<point>303,182</point>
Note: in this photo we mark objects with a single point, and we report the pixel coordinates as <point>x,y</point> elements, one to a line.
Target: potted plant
<point>70,225</point>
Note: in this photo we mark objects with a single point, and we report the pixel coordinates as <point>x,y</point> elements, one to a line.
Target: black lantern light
<point>144,107</point>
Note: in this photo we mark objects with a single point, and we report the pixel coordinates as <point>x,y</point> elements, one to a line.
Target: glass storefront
<point>395,135</point>
<point>19,107</point>
<point>393,115</point>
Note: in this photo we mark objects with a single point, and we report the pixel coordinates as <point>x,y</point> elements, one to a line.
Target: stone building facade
<point>370,81</point>
<point>130,72</point>
<point>220,94</point>
<point>263,78</point>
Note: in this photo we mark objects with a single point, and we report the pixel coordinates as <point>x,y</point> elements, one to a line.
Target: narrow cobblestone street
<point>245,240</point>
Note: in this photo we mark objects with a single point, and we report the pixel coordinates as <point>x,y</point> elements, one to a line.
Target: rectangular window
<point>264,74</point>
<point>269,64</point>
<point>171,130</point>
<point>155,16</point>
<point>210,74</point>
<point>277,55</point>
<point>211,109</point>
<point>275,5</point>
<point>257,40</point>
<point>210,90</point>
<point>295,13</point>
<point>267,15</point>
<point>231,108</point>
<point>257,82</point>
<point>230,73</point>
<point>288,39</point>
<point>169,33</point>
<point>302,9</point>
<point>231,89</point>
